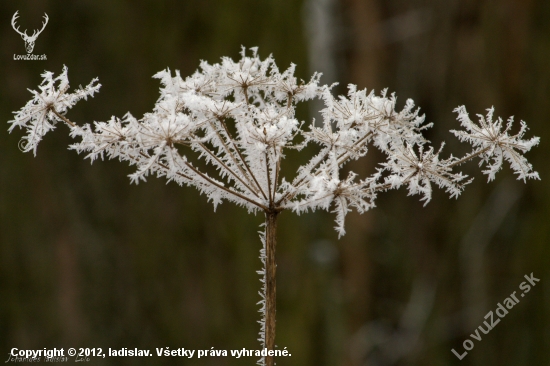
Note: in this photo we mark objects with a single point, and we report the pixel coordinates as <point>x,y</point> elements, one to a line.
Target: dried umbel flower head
<point>239,117</point>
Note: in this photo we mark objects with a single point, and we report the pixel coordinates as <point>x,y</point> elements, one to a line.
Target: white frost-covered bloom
<point>493,144</point>
<point>240,118</point>
<point>419,170</point>
<point>41,113</point>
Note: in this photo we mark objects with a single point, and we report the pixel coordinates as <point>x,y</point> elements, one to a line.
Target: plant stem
<point>270,269</point>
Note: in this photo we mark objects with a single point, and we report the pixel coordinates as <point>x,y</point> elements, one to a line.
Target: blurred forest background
<point>88,260</point>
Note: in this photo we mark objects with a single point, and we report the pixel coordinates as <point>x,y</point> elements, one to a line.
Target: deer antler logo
<point>29,40</point>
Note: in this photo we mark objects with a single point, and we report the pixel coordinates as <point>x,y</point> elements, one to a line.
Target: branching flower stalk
<point>239,117</point>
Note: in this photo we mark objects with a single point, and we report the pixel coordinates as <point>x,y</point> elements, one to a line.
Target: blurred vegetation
<point>88,260</point>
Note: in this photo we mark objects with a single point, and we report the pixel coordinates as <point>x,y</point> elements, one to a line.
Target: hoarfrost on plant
<point>240,118</point>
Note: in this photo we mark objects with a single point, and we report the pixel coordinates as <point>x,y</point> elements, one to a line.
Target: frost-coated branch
<point>239,119</point>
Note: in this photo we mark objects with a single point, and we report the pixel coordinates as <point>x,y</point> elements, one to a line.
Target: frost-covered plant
<point>240,118</point>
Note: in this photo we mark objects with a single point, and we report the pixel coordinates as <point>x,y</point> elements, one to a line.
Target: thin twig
<point>228,190</point>
<point>242,158</point>
<point>468,157</point>
<point>268,177</point>
<point>65,119</point>
<point>235,175</point>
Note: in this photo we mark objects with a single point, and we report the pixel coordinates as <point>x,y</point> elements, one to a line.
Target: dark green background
<point>88,260</point>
